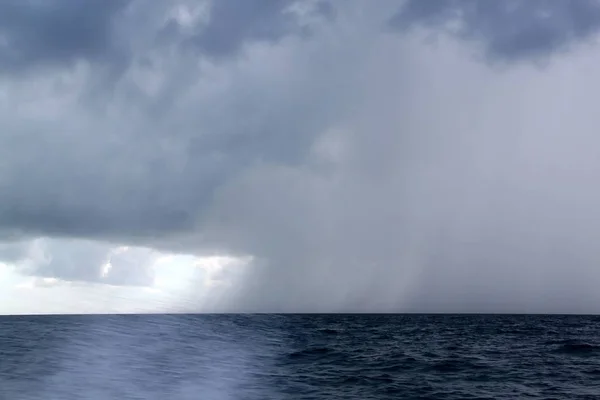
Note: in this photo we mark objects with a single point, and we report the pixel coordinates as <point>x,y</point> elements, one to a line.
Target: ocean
<point>218,357</point>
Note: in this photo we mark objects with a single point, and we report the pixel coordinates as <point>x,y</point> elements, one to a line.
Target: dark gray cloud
<point>61,32</point>
<point>82,169</point>
<point>121,178</point>
<point>507,30</point>
<point>232,24</point>
<point>56,32</point>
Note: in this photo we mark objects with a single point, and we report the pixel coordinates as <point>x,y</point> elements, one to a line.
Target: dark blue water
<point>217,357</point>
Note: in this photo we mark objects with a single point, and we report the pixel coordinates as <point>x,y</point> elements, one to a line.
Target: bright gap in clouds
<point>177,282</point>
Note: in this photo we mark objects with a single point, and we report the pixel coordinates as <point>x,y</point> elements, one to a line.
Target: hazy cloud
<point>131,267</point>
<point>77,260</point>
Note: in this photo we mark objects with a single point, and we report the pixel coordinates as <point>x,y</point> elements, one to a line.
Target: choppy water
<point>299,357</point>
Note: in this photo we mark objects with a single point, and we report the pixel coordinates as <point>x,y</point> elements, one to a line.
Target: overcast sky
<point>312,156</point>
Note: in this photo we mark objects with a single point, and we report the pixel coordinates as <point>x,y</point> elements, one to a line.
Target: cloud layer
<point>361,165</point>
<point>509,30</point>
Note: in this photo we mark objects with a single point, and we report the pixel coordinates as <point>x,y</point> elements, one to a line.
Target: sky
<point>299,156</point>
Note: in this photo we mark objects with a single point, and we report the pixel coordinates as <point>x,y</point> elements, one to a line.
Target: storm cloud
<point>508,30</point>
<point>359,165</point>
<point>56,32</point>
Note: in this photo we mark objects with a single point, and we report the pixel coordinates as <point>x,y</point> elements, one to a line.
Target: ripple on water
<point>299,357</point>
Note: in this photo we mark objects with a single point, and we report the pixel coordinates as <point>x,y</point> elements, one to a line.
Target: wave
<point>317,351</point>
<point>578,348</point>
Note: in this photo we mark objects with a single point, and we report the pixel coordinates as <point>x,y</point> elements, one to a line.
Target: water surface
<point>216,357</point>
